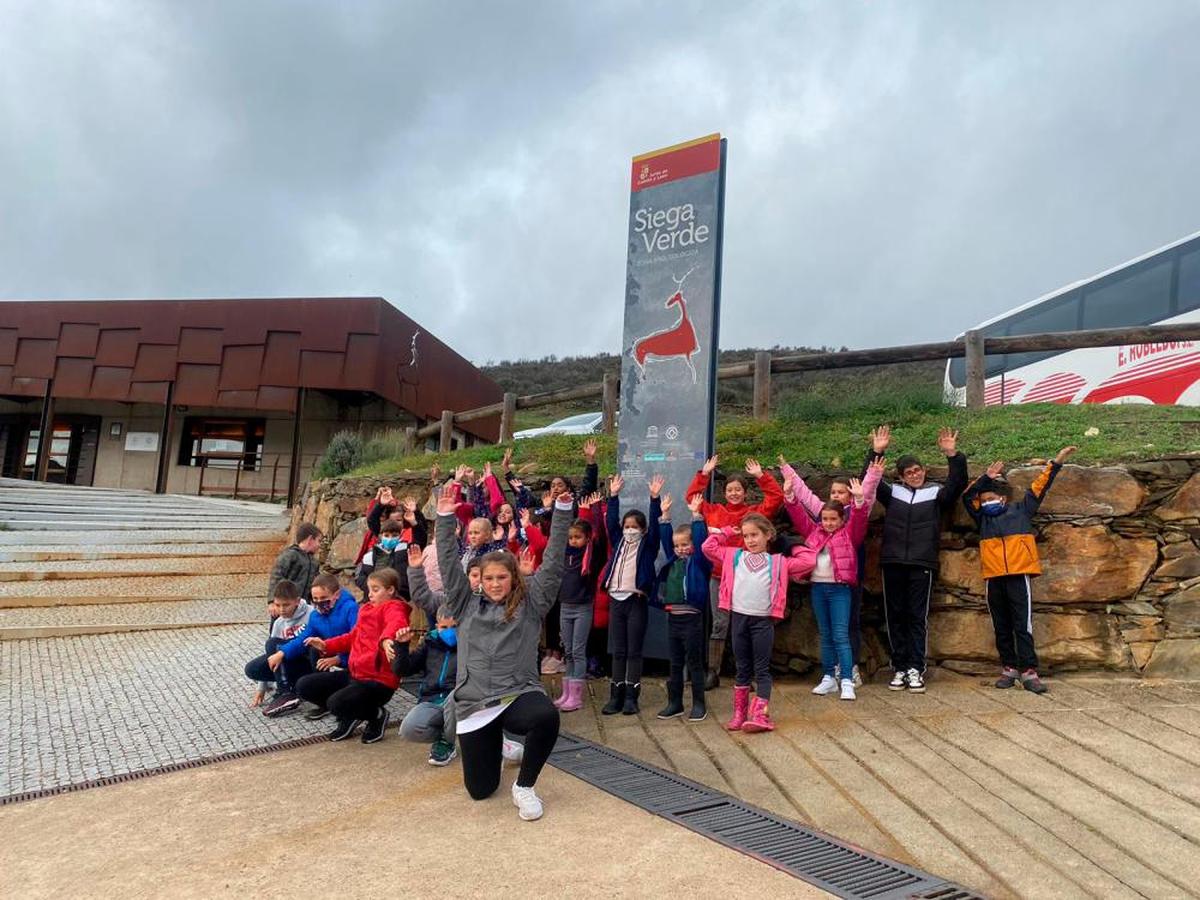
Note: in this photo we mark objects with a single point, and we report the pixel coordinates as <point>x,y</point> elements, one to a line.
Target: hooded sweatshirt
<point>339,620</point>
<point>284,629</point>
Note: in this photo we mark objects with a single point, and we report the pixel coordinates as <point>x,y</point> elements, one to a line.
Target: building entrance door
<point>73,444</point>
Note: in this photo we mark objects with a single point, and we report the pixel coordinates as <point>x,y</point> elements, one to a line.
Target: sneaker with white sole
<point>915,682</point>
<point>442,753</point>
<point>898,682</point>
<point>283,703</point>
<point>529,805</point>
<point>858,682</point>
<point>827,686</point>
<point>848,689</point>
<point>512,751</point>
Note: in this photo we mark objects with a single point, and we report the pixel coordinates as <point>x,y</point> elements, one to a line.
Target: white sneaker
<point>916,684</point>
<point>512,751</point>
<point>857,678</point>
<point>529,806</point>
<point>827,686</point>
<point>898,682</point>
<point>848,689</point>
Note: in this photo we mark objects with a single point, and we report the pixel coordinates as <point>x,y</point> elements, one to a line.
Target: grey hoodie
<point>498,658</point>
<point>286,629</point>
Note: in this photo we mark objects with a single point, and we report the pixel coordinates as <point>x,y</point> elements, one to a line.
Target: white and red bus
<point>1158,288</point>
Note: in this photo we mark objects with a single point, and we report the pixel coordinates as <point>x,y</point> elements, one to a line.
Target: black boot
<point>674,705</point>
<point>616,699</point>
<point>716,651</point>
<point>699,710</point>
<point>631,699</point>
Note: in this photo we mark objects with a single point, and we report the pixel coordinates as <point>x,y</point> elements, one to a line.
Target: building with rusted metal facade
<point>205,396</point>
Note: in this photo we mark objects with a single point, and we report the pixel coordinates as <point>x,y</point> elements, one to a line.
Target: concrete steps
<point>108,568</point>
<point>108,618</point>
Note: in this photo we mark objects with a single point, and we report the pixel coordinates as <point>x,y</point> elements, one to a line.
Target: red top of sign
<point>672,163</point>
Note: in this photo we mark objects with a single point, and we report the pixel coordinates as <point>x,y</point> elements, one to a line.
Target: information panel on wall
<point>672,303</point>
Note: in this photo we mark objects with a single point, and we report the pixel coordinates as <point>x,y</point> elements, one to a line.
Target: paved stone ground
<point>174,612</point>
<point>75,709</point>
<point>1092,790</point>
<point>16,593</point>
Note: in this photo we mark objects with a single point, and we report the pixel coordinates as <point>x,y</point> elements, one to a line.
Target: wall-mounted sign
<point>142,441</point>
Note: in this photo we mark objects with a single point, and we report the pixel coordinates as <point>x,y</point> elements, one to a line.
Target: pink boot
<point>741,702</point>
<point>760,717</point>
<point>565,696</point>
<point>573,691</point>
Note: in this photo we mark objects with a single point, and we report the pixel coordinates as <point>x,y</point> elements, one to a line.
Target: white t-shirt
<point>823,571</point>
<point>752,585</point>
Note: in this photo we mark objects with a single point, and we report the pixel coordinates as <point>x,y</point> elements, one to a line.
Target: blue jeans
<point>831,605</point>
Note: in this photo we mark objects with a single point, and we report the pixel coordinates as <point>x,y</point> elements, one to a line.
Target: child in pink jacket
<point>754,592</point>
<point>834,539</point>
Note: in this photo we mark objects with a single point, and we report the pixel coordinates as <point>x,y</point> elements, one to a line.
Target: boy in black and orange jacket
<point>1008,556</point>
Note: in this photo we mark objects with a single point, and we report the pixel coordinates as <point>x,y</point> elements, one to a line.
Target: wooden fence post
<point>446,437</point>
<point>762,384</point>
<point>608,403</point>
<point>410,439</point>
<point>975,368</point>
<point>508,417</point>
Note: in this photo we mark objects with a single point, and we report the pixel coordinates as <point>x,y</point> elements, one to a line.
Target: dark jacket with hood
<point>912,523</point>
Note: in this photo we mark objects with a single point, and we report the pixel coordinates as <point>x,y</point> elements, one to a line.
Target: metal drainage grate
<point>832,865</point>
<point>160,770</point>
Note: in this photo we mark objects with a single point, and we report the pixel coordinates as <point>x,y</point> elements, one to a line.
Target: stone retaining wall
<point>1120,546</point>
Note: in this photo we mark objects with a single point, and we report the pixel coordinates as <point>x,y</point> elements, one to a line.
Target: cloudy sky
<point>897,170</point>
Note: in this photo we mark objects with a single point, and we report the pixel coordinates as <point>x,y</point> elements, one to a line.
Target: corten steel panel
<point>5,379</point>
<point>148,392</point>
<point>197,385</point>
<point>238,399</point>
<point>118,347</point>
<point>8,346</point>
<point>78,339</point>
<point>35,358</point>
<point>31,387</point>
<point>155,362</point>
<point>72,377</point>
<point>111,382</point>
<point>201,345</point>
<point>240,345</point>
<point>281,361</point>
<point>271,397</point>
<point>240,367</point>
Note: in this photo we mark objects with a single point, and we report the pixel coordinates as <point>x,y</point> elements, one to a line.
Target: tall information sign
<point>672,304</point>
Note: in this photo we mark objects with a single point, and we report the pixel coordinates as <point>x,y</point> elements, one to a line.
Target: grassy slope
<point>826,423</point>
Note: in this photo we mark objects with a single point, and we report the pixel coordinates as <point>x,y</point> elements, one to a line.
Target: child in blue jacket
<point>334,613</point>
<point>684,595</point>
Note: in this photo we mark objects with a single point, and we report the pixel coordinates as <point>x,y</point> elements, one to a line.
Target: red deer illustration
<point>677,341</point>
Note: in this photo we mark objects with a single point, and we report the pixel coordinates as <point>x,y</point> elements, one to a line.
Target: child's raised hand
<point>525,517</point>
<point>856,490</point>
<point>460,472</point>
<point>880,438</point>
<point>414,556</point>
<point>547,500</point>
<point>996,469</point>
<point>615,484</point>
<point>1064,454</point>
<point>589,450</point>
<point>506,462</point>
<point>487,469</point>
<point>665,510</point>
<point>696,503</point>
<point>753,468</point>
<point>565,497</point>
<point>516,483</point>
<point>879,463</point>
<point>525,562</point>
<point>435,473</point>
<point>948,441</point>
<point>656,484</point>
<point>447,499</point>
<point>789,489</point>
<point>710,464</point>
<point>591,499</point>
<point>782,460</point>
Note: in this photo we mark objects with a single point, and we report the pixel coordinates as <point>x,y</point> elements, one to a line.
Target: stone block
<point>1080,491</point>
<point>1175,659</point>
<point>1181,611</point>
<point>1187,566</point>
<point>1087,639</point>
<point>1091,565</point>
<point>960,569</point>
<point>343,549</point>
<point>1185,504</point>
<point>1141,652</point>
<point>1142,628</point>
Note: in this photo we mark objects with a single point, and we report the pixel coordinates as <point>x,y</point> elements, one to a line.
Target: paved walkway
<point>1092,790</point>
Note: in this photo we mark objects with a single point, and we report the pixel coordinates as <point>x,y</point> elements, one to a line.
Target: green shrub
<point>343,454</point>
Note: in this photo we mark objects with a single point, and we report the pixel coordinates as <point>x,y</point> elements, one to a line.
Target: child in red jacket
<point>729,515</point>
<point>362,693</point>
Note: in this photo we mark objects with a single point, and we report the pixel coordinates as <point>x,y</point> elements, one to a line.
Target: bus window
<point>1189,282</point>
<point>1058,315</point>
<point>1136,298</point>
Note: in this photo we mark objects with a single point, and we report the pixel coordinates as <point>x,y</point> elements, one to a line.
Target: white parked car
<point>584,423</point>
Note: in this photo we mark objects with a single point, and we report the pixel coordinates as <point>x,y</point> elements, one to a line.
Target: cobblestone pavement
<point>75,709</point>
<point>175,612</point>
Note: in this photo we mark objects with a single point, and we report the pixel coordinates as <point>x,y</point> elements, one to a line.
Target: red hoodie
<point>729,515</point>
<point>367,660</point>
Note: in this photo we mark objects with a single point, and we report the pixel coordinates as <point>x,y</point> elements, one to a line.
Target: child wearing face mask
<point>576,596</point>
<point>684,584</point>
<point>1008,556</point>
<point>436,659</point>
<point>835,539</point>
<point>754,591</point>
<point>729,515</point>
<point>629,579</point>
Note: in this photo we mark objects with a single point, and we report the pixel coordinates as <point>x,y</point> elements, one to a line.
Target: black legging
<point>627,625</point>
<point>345,697</point>
<point>531,715</point>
